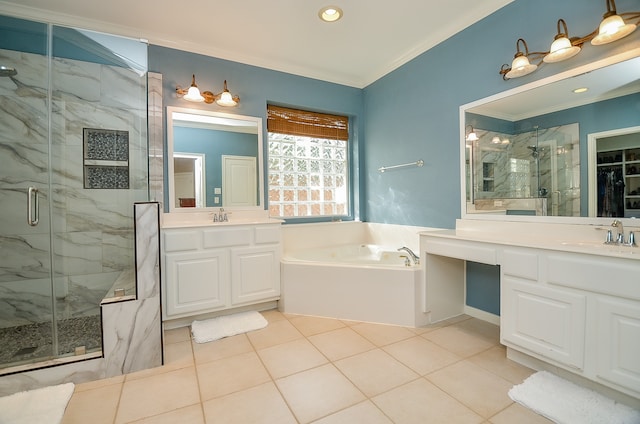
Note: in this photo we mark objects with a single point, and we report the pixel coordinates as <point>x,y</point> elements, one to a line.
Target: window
<point>308,163</point>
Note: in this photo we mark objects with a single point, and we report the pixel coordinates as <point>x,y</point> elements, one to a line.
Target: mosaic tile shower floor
<point>25,342</point>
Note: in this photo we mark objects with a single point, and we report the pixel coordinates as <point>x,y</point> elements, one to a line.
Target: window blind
<point>308,124</point>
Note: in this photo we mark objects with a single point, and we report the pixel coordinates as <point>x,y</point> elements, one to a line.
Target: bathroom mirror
<point>214,160</point>
<point>532,154</point>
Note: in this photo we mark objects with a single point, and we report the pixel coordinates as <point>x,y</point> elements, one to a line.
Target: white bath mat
<point>567,403</point>
<point>227,325</point>
<point>39,406</point>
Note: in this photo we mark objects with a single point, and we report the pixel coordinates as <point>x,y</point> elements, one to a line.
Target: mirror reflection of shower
<point>537,153</point>
<point>526,170</point>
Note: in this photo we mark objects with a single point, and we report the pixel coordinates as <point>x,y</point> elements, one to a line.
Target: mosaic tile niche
<point>106,159</point>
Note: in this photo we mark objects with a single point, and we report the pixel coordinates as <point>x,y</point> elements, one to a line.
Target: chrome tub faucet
<point>416,258</point>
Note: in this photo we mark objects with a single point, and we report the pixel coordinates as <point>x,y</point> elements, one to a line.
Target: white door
<point>239,181</point>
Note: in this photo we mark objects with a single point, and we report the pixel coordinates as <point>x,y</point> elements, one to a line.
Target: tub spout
<point>416,258</point>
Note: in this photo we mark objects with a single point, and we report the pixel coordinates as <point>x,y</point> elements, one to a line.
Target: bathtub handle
<point>407,260</point>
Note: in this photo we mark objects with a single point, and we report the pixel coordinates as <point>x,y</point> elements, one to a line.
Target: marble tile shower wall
<point>92,228</point>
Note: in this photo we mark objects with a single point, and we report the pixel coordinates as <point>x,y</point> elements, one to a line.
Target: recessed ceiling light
<point>580,90</point>
<point>330,13</point>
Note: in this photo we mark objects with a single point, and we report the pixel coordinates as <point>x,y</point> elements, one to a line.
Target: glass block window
<point>308,173</point>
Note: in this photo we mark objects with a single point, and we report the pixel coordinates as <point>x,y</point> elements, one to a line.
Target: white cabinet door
<point>618,342</point>
<point>255,274</point>
<point>545,321</point>
<point>196,281</point>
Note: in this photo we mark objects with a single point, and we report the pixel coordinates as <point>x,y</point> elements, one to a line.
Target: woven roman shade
<point>305,123</point>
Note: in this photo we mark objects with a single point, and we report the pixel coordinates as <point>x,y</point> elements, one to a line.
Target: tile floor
<point>303,369</point>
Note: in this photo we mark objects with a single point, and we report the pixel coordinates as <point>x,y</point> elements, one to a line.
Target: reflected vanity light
<point>498,140</point>
<point>471,135</point>
<point>612,28</point>
<point>193,94</point>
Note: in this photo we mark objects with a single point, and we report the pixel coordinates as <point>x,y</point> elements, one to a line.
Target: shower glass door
<point>26,293</point>
<point>73,160</point>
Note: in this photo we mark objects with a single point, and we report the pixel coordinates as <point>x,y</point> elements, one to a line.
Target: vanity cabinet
<point>578,311</point>
<point>572,309</point>
<point>208,269</point>
<point>545,320</point>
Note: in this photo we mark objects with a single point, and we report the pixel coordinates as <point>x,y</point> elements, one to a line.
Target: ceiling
<point>372,39</point>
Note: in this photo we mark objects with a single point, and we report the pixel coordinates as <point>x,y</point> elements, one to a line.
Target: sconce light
<point>193,94</point>
<point>561,48</point>
<point>520,65</point>
<point>471,135</point>
<point>225,98</point>
<point>612,28</point>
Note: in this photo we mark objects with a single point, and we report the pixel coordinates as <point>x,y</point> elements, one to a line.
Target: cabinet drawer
<point>613,276</point>
<point>268,234</point>
<point>240,236</point>
<point>181,240</point>
<point>520,263</point>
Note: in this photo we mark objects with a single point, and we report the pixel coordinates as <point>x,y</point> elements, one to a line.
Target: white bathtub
<point>352,271</point>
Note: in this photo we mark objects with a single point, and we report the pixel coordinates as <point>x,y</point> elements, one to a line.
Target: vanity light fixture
<point>471,135</point>
<point>193,94</point>
<point>225,98</point>
<point>521,65</point>
<point>612,28</point>
<point>561,48</point>
<point>330,13</point>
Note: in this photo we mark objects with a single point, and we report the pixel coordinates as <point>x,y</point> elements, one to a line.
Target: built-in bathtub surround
<point>353,270</point>
<point>132,334</point>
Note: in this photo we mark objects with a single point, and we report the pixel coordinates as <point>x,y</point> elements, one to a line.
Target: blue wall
<point>411,113</point>
<point>257,87</point>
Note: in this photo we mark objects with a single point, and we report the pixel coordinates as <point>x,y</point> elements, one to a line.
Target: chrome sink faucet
<point>617,224</point>
<point>220,216</point>
<point>416,258</point>
<point>619,239</point>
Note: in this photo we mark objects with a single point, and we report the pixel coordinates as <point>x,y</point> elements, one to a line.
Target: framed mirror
<point>532,148</point>
<point>214,160</point>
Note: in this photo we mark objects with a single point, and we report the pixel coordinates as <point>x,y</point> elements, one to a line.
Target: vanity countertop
<point>205,219</point>
<point>584,240</point>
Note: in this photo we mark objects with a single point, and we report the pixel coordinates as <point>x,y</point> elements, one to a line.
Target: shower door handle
<point>33,207</point>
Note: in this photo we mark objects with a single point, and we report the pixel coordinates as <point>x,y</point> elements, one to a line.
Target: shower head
<point>7,72</point>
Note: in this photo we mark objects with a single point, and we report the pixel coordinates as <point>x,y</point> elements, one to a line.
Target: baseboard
<point>482,315</point>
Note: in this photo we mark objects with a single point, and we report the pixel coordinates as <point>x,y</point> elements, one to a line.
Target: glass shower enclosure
<point>73,160</point>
